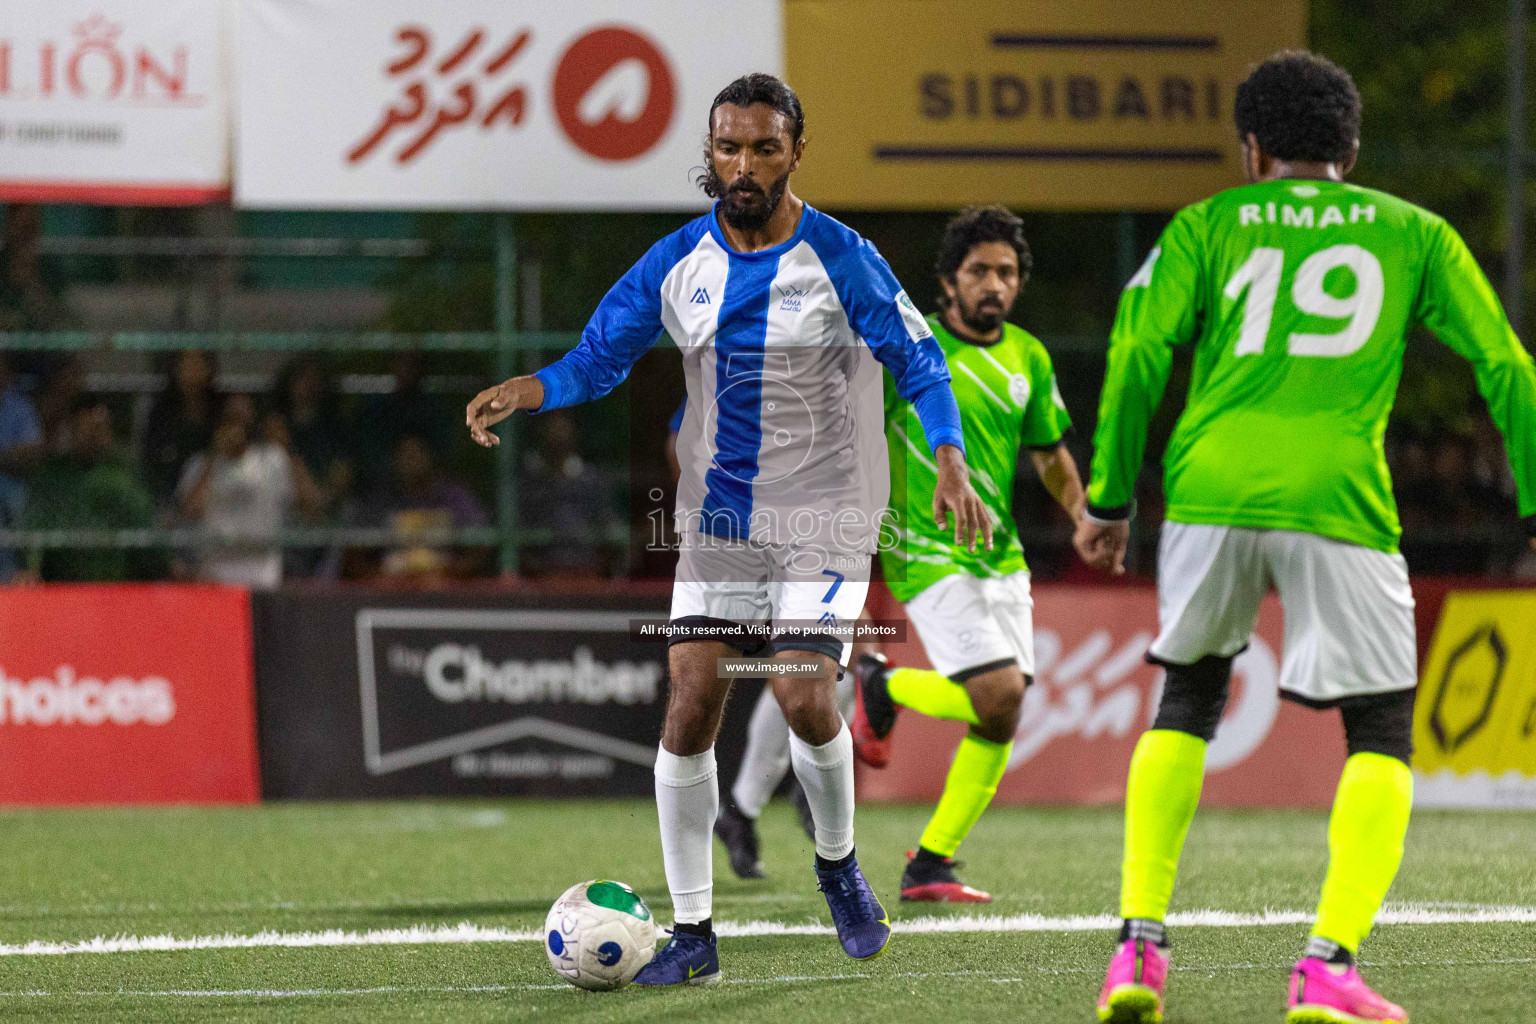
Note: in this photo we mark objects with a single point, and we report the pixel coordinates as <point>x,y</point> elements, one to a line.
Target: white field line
<point>466,933</point>
<point>990,977</point>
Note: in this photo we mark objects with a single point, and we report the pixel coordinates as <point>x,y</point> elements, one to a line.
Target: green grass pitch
<point>71,875</point>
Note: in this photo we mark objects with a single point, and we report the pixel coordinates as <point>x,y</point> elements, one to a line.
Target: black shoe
<point>739,834</point>
<point>802,807</point>
<point>930,878</point>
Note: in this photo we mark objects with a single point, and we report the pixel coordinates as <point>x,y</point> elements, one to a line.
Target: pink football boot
<point>1319,995</point>
<point>1133,989</point>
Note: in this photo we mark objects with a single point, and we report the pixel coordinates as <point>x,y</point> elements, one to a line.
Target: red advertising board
<point>126,694</point>
<point>1094,694</point>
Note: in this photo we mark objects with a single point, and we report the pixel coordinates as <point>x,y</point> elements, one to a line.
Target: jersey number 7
<point>1260,277</point>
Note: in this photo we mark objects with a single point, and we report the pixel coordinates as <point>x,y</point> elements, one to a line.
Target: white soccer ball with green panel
<point>599,934</point>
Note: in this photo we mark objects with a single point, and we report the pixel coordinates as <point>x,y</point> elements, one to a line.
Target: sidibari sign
<point>480,104</point>
<point>113,101</point>
<point>1044,104</point>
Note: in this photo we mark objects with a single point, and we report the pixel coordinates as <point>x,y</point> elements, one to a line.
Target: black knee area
<point>1194,696</point>
<point>1380,723</point>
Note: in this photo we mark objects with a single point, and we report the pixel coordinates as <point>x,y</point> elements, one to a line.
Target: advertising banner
<point>480,104</point>
<point>1475,721</point>
<point>1093,696</point>
<point>379,694</point>
<point>126,694</point>
<point>1039,104</point>
<point>113,101</point>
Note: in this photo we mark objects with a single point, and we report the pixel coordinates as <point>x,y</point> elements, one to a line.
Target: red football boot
<point>874,713</point>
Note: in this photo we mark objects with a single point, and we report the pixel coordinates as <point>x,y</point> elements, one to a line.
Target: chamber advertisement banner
<point>1039,104</point>
<point>113,101</point>
<point>378,694</point>
<point>486,105</point>
<point>126,694</point>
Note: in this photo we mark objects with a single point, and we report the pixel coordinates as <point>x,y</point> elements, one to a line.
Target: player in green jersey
<point>1296,291</point>
<point>971,609</point>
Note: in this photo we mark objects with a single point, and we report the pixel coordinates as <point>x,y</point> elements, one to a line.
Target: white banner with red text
<point>113,101</point>
<point>480,104</point>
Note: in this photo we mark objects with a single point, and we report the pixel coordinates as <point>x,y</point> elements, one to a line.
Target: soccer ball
<point>599,934</point>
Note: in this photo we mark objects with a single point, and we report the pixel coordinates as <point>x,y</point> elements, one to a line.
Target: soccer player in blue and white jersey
<point>781,314</point>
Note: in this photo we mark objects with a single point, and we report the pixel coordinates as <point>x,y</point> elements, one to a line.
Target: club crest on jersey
<point>791,298</point>
<point>1018,389</point>
<point>911,319</point>
<point>700,297</point>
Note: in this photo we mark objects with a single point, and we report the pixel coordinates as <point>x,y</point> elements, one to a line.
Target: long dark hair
<point>745,91</point>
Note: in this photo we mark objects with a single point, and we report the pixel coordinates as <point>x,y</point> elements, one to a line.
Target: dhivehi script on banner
<point>480,104</point>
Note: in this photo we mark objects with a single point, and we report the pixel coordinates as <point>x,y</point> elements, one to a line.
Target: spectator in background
<point>310,417</point>
<point>21,447</point>
<point>420,499</point>
<point>407,411</point>
<point>181,422</point>
<point>29,300</point>
<point>310,406</point>
<point>58,402</point>
<point>568,497</point>
<point>89,486</point>
<point>244,487</point>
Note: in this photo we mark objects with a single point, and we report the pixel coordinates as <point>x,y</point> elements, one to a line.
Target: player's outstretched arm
<point>1159,308</point>
<point>1459,306</point>
<point>622,329</point>
<point>955,502</point>
<point>493,405</point>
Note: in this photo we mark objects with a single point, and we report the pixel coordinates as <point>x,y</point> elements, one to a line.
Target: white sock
<point>767,757</point>
<point>687,800</point>
<point>826,775</point>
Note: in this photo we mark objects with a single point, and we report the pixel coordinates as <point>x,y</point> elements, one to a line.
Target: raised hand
<point>493,405</point>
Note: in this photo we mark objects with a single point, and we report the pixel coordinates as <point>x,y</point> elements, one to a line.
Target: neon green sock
<point>1160,800</point>
<point>973,777</point>
<point>935,695</point>
<point>1365,846</point>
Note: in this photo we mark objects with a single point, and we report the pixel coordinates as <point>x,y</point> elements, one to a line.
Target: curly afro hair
<point>973,226</point>
<point>1300,106</point>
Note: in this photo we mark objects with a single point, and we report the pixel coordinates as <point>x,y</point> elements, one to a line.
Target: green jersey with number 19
<point>1297,295</point>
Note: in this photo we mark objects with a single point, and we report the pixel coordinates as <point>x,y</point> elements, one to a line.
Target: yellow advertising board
<point>1040,104</point>
<point>1474,725</point>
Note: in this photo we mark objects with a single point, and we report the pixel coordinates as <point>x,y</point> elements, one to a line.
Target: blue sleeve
<point>676,422</point>
<point>624,327</point>
<point>882,314</point>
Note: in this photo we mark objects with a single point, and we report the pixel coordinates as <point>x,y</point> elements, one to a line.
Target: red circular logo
<point>592,105</point>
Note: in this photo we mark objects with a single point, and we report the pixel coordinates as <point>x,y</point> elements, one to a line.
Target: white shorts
<point>970,625</point>
<point>1348,609</point>
<point>751,584</point>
